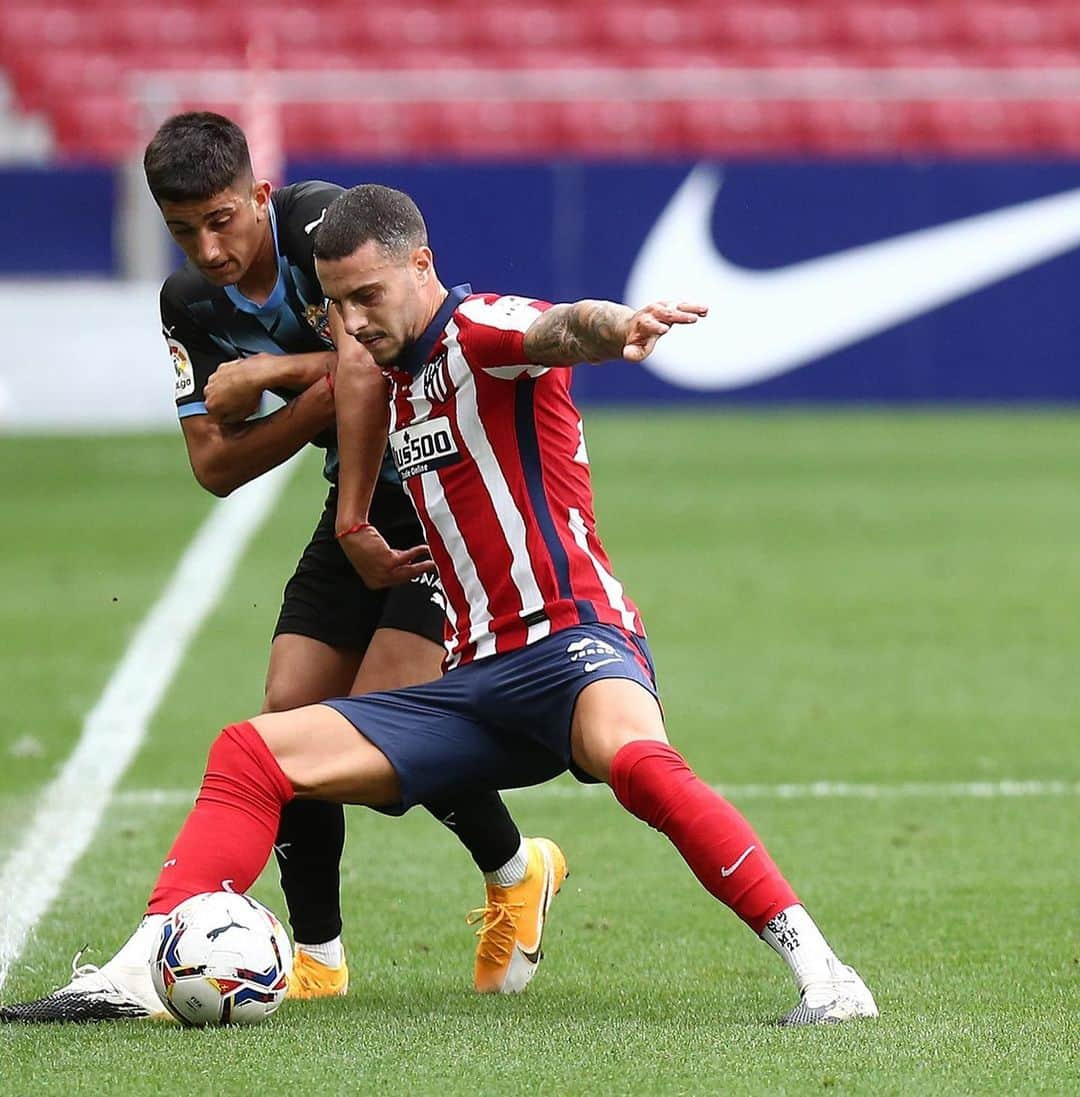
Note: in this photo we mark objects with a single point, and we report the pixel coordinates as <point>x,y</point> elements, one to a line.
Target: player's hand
<point>234,391</point>
<point>381,566</point>
<point>652,321</point>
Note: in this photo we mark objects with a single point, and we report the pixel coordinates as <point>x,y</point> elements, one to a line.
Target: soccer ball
<point>221,959</point>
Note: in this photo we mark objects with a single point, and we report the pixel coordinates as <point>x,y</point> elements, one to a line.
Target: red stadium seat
<point>983,127</point>
<point>58,51</point>
<point>639,27</point>
<point>361,129</point>
<point>497,128</point>
<point>1010,24</point>
<point>497,26</point>
<point>1061,126</point>
<point>744,127</point>
<point>98,126</point>
<point>762,25</point>
<point>860,127</point>
<point>611,127</point>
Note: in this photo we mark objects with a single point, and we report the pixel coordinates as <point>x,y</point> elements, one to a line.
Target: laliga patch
<point>316,316</point>
<point>424,447</point>
<point>185,374</point>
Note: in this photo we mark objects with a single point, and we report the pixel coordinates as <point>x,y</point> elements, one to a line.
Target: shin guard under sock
<point>652,781</point>
<point>227,838</point>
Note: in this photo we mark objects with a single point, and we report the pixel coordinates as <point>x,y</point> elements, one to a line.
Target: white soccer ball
<point>221,959</point>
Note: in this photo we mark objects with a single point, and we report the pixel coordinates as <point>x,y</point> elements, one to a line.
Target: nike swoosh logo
<point>311,226</point>
<point>768,322</point>
<point>725,872</point>
<point>601,663</point>
<point>536,955</point>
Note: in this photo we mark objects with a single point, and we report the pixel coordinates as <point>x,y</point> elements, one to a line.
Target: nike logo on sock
<point>725,871</point>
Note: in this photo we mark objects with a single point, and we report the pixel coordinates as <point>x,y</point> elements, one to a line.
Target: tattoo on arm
<point>586,331</point>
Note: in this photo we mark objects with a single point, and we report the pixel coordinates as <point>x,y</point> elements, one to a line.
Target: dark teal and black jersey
<point>205,325</point>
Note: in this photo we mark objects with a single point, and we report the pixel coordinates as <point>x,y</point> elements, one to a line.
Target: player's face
<point>221,235</point>
<point>383,298</point>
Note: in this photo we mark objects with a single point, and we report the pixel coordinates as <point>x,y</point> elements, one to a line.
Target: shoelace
<point>498,930</point>
<point>81,971</point>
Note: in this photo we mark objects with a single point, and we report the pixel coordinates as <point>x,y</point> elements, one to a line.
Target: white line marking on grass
<point>817,790</point>
<point>71,806</point>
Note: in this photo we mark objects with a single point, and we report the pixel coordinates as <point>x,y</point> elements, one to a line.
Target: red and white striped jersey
<point>491,450</point>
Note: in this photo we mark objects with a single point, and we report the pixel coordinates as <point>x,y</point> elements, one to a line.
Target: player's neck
<point>435,295</point>
<point>435,302</point>
<point>261,277</point>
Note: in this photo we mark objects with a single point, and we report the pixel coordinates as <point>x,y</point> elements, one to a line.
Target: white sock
<point>513,872</point>
<point>794,936</point>
<point>138,947</point>
<point>330,953</point>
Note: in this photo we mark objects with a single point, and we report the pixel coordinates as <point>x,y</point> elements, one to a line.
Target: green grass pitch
<point>867,597</point>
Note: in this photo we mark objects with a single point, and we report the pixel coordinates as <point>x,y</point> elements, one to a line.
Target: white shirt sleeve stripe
<point>508,313</point>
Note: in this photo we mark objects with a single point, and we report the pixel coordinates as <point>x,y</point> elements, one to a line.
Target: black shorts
<point>326,600</point>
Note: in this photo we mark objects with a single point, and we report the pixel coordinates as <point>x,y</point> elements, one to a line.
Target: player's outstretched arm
<point>224,456</point>
<point>235,388</point>
<point>597,331</point>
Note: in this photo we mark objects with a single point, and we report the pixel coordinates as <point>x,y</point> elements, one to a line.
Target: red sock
<point>652,781</point>
<point>230,832</point>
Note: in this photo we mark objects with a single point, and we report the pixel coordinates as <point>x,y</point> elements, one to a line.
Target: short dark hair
<point>370,212</point>
<point>194,156</point>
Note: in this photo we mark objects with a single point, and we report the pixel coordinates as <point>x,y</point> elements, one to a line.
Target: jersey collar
<point>277,297</point>
<point>415,356</point>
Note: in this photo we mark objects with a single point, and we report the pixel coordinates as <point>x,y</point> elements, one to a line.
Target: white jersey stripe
<point>509,312</point>
<point>612,587</point>
<point>478,444</point>
<point>431,491</point>
<point>443,519</point>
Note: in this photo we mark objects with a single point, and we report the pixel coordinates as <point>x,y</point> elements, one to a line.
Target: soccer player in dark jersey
<point>549,665</point>
<point>244,315</point>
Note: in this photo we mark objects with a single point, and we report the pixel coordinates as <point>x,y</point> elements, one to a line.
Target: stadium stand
<point>619,77</point>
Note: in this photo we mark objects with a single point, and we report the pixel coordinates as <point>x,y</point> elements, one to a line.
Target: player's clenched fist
<point>234,390</point>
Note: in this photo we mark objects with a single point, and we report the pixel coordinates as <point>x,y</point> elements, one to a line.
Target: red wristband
<point>329,381</point>
<point>356,527</point>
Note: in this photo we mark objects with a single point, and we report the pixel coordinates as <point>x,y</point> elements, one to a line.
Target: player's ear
<point>260,197</point>
<point>423,263</point>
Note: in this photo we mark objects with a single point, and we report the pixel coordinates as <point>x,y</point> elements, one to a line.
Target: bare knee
<point>609,714</point>
<point>325,758</point>
<point>280,696</point>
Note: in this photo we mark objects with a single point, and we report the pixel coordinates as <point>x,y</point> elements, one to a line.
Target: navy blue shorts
<point>501,722</point>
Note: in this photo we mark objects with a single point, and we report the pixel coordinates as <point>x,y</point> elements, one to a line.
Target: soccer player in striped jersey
<point>245,314</point>
<point>549,665</point>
